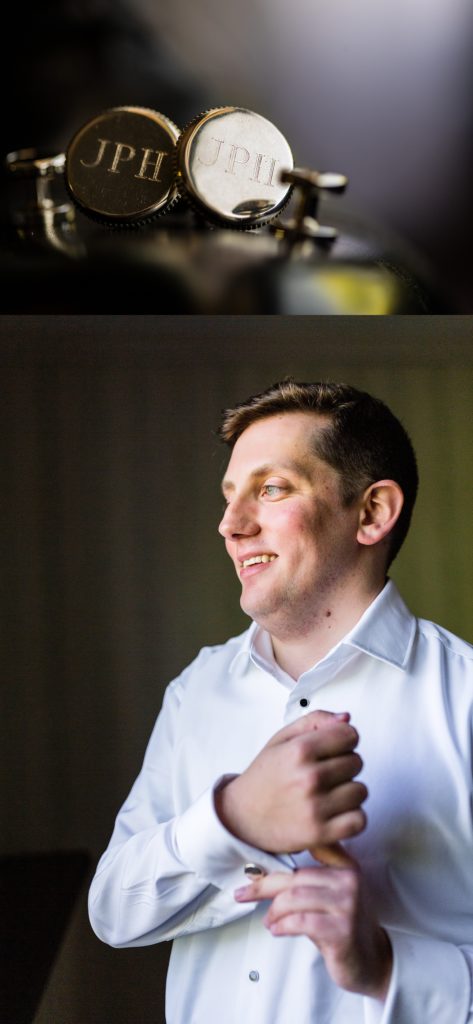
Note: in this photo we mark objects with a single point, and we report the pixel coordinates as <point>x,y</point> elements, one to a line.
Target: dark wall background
<point>114,575</point>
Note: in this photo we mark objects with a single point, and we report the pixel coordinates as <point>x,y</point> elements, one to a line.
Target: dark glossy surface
<point>53,259</point>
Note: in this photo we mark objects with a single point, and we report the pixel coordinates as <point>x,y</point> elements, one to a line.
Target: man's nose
<point>238,520</point>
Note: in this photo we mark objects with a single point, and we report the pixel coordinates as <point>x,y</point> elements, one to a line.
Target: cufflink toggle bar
<point>310,185</point>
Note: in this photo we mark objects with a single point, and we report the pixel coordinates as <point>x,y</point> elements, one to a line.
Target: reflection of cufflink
<point>29,163</point>
<point>120,167</point>
<point>254,871</point>
<point>229,161</point>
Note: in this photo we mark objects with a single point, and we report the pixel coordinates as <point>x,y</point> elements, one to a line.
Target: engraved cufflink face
<point>120,166</point>
<point>229,161</point>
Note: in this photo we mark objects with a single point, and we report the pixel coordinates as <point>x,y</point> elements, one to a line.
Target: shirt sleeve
<point>168,871</point>
<point>431,981</point>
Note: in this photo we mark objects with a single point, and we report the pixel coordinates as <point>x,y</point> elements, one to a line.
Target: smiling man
<point>296,890</point>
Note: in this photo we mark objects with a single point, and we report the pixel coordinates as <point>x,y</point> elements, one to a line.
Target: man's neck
<point>297,653</point>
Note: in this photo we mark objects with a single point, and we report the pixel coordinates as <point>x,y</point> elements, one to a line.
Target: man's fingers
<point>313,721</point>
<point>314,899</point>
<point>265,888</point>
<point>334,771</point>
<point>333,740</point>
<point>333,855</point>
<point>270,886</point>
<point>303,922</point>
<point>348,796</point>
<point>344,826</point>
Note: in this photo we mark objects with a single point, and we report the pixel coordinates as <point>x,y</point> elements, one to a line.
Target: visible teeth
<point>257,559</point>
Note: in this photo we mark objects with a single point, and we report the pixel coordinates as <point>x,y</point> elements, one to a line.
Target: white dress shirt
<point>171,867</point>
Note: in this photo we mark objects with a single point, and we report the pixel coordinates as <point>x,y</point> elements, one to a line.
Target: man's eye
<point>272,490</point>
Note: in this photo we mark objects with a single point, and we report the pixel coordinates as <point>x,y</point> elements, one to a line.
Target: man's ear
<point>379,511</point>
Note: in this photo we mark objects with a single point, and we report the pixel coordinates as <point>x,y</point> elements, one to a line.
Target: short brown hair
<point>363,440</point>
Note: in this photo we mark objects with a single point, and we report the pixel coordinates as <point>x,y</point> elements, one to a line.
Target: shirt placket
<point>255,970</point>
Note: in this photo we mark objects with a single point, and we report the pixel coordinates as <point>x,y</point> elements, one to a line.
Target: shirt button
<point>254,871</point>
<point>304,703</point>
<point>254,975</point>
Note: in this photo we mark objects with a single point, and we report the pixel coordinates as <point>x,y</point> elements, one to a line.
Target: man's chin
<point>261,612</point>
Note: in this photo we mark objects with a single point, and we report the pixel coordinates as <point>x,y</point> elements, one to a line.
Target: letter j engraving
<point>95,163</point>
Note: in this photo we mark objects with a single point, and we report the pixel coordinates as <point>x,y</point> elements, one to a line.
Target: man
<point>244,837</point>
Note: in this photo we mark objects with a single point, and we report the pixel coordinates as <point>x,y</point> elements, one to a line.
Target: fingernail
<point>240,894</point>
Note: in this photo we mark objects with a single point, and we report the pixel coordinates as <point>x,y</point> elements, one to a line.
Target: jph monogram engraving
<point>258,166</point>
<point>122,154</point>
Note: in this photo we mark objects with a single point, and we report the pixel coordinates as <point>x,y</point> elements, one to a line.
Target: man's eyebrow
<point>272,467</point>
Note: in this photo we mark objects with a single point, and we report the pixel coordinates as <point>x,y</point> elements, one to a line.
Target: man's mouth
<point>256,559</point>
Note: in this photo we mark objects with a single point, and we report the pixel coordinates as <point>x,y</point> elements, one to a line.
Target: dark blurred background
<point>113,576</point>
<point>380,92</point>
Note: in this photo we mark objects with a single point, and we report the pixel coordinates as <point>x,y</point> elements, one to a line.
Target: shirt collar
<point>246,642</point>
<point>386,631</point>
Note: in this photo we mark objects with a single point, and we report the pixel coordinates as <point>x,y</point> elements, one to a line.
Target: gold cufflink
<point>254,871</point>
<point>229,161</point>
<point>120,165</point>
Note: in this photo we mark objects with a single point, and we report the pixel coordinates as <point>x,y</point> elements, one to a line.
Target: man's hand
<point>299,791</point>
<point>330,907</point>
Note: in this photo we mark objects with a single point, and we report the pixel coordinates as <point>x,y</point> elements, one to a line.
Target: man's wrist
<point>387,971</point>
<point>224,804</point>
<point>378,986</point>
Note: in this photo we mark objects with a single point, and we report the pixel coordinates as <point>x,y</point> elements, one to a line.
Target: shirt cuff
<point>430,982</point>
<point>213,853</point>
